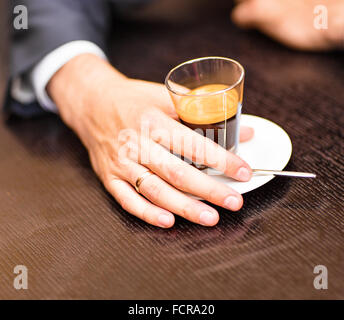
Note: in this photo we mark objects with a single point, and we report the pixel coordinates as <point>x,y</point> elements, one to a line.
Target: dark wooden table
<point>57,219</point>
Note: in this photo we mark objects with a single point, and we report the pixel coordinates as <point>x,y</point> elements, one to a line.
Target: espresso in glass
<point>207,94</point>
<point>213,112</point>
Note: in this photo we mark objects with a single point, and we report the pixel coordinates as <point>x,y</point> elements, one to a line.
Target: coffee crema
<point>207,109</point>
<point>214,116</point>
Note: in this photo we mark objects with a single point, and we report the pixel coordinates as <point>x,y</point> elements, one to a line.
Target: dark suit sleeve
<point>52,23</point>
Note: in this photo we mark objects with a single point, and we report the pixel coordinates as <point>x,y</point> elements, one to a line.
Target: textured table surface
<point>57,219</point>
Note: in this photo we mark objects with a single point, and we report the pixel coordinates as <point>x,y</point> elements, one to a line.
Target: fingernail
<point>243,174</point>
<point>208,218</point>
<point>232,203</point>
<point>165,220</point>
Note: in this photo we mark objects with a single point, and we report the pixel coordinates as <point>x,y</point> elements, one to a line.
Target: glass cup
<point>207,94</point>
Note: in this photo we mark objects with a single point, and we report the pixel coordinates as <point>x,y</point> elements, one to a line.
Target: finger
<point>138,206</point>
<point>246,133</point>
<point>188,143</point>
<point>242,16</point>
<point>189,179</point>
<point>160,193</point>
<point>254,13</point>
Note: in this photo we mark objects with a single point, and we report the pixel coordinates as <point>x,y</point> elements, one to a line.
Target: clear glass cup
<point>207,94</point>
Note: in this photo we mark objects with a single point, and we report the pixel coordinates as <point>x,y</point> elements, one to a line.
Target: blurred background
<point>4,14</point>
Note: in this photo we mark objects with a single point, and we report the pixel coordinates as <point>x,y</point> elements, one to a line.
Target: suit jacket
<point>53,23</point>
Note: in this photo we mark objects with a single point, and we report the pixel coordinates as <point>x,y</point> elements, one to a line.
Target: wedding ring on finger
<point>140,179</point>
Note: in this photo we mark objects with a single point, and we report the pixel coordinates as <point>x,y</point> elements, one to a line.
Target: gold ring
<point>141,178</point>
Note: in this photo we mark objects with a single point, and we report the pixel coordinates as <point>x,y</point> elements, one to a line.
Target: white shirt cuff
<point>24,90</point>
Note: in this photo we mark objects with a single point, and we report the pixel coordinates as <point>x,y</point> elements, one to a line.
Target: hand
<point>108,110</point>
<point>292,22</point>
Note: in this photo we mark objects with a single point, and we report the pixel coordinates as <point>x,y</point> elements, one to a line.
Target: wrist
<point>79,86</point>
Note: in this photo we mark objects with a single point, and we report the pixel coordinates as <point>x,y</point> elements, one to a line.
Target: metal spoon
<point>284,173</point>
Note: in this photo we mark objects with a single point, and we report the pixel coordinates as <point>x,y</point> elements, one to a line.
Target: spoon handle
<point>284,173</point>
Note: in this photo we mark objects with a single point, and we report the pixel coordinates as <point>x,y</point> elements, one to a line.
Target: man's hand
<point>292,22</point>
<point>110,113</point>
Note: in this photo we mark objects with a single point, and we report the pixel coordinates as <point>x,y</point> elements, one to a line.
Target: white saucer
<point>270,149</point>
